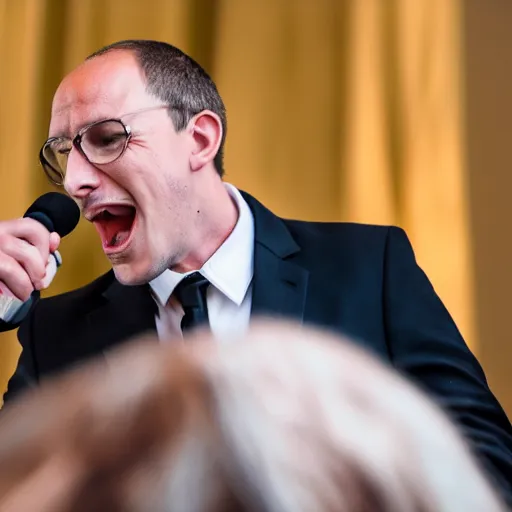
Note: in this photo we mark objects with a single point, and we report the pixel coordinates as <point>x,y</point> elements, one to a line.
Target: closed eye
<point>110,139</point>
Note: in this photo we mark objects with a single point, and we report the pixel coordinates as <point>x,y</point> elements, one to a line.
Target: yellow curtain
<point>338,110</point>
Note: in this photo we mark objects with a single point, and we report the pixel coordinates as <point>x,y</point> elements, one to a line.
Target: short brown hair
<point>177,80</point>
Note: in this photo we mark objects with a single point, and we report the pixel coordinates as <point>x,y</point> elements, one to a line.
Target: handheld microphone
<point>57,213</point>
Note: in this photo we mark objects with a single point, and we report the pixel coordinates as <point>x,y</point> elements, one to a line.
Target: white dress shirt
<point>229,271</point>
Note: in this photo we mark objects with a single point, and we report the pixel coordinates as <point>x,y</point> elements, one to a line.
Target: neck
<point>216,215</point>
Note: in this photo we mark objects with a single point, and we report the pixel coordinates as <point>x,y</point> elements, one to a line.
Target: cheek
<point>158,182</point>
<point>173,154</point>
<point>164,204</point>
<point>160,173</point>
<point>143,180</point>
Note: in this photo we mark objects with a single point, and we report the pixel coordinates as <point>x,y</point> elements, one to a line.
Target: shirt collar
<point>230,268</point>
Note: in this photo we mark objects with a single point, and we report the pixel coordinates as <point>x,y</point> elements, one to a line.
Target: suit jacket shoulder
<point>340,237</point>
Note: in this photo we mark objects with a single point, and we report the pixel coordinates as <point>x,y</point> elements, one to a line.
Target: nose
<point>81,176</point>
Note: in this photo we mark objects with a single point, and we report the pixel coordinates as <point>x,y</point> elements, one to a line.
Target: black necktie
<point>191,292</point>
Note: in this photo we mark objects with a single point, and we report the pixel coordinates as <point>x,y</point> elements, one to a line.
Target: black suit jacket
<point>358,280</point>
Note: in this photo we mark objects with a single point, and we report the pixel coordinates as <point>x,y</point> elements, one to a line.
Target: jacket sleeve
<point>426,345</point>
<point>26,374</point>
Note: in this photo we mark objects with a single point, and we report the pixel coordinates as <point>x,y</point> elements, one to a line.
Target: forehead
<point>105,86</point>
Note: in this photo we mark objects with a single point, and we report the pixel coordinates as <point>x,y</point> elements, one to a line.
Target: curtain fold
<point>337,110</point>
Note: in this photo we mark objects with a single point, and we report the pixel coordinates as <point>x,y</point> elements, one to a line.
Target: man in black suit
<point>136,138</point>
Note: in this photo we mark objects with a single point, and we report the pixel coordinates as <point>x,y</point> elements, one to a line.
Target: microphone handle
<point>13,310</point>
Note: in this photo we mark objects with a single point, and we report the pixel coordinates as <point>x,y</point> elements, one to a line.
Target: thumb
<point>54,241</point>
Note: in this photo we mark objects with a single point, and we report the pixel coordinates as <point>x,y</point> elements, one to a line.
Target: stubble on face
<point>152,171</point>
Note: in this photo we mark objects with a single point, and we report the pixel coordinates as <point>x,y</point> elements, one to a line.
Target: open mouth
<point>115,225</point>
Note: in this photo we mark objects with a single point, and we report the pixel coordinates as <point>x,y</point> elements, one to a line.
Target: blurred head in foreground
<point>284,420</point>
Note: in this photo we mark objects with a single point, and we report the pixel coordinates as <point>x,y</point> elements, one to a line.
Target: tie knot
<point>191,291</point>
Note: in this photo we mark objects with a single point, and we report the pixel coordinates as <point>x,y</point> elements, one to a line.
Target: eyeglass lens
<point>101,143</point>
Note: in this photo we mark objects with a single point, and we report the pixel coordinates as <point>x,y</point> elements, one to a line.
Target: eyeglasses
<point>99,143</point>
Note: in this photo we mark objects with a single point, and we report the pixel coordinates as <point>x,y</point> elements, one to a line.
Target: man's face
<point>140,203</point>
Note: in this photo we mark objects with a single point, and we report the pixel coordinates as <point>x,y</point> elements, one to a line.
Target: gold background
<point>358,110</point>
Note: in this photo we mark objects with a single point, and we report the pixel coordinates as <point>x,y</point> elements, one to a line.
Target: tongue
<point>117,226</point>
<point>118,229</point>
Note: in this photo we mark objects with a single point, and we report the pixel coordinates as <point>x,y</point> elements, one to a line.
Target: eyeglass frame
<point>76,140</point>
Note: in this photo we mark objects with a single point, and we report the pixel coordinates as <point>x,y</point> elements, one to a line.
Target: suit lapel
<point>279,284</point>
<point>124,312</point>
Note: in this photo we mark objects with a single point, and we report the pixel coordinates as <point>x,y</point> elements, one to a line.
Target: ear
<point>206,129</point>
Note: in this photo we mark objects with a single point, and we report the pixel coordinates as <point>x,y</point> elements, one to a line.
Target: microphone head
<point>56,211</point>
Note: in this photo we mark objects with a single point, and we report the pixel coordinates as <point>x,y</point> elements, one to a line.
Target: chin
<point>129,275</point>
<point>137,272</point>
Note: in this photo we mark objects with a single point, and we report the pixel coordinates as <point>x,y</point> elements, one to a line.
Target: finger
<point>27,256</point>
<point>14,276</point>
<point>31,231</point>
<point>54,241</point>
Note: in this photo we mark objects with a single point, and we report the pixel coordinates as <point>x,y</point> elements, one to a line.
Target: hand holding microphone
<point>28,252</point>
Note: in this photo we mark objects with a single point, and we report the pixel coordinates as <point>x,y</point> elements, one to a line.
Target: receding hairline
<point>170,74</point>
<point>130,54</point>
<point>98,92</point>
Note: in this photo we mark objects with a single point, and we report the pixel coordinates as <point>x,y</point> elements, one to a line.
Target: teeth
<point>114,211</point>
<point>119,210</point>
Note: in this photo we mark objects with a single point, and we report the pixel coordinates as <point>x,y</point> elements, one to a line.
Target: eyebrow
<point>81,127</point>
<point>65,108</point>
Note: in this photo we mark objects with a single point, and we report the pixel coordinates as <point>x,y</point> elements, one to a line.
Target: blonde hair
<point>311,422</point>
<point>284,419</point>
